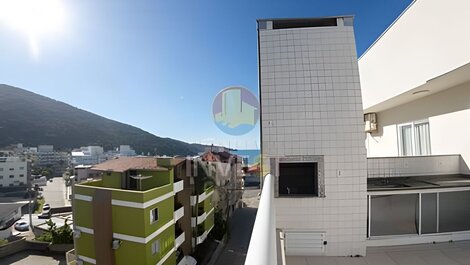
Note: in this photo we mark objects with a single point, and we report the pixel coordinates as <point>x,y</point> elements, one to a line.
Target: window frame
<point>155,247</point>
<point>413,137</point>
<point>152,215</point>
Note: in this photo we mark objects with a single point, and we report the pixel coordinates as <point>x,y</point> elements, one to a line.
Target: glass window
<point>414,139</point>
<point>422,139</point>
<point>12,176</point>
<point>154,215</point>
<point>406,141</point>
<point>156,247</point>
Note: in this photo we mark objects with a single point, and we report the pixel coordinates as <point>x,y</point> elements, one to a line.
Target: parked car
<point>46,207</point>
<point>251,181</point>
<point>22,225</point>
<point>45,215</point>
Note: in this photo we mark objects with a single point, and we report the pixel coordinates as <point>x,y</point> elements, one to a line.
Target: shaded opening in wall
<point>298,179</point>
<point>304,23</point>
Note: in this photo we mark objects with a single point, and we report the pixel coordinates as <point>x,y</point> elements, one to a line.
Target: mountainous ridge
<point>33,119</point>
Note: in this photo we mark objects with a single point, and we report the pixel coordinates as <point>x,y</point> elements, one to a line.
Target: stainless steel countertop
<point>418,182</point>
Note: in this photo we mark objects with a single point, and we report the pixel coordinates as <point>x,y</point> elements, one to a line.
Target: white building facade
<point>312,134</point>
<point>13,172</point>
<point>416,80</point>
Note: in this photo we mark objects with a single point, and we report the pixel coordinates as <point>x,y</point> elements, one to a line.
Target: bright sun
<point>34,18</point>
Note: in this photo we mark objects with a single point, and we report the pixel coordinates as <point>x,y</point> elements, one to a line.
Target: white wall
<point>448,113</point>
<point>430,39</point>
<point>311,105</point>
<point>16,167</point>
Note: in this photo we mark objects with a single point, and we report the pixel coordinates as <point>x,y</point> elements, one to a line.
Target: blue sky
<point>158,65</point>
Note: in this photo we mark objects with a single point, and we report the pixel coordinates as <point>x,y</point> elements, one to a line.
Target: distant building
<point>153,210</point>
<point>144,209</point>
<point>126,150</point>
<point>89,155</point>
<point>249,156</point>
<point>85,172</point>
<point>57,162</point>
<point>13,171</point>
<point>227,175</point>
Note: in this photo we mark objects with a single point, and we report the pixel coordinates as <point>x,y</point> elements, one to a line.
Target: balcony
<point>179,212</point>
<point>200,218</point>
<point>179,240</point>
<point>120,197</point>
<point>178,186</point>
<point>202,233</point>
<point>203,196</point>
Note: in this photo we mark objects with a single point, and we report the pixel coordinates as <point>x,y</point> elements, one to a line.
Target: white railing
<point>178,186</point>
<point>179,240</point>
<point>178,213</point>
<point>262,249</point>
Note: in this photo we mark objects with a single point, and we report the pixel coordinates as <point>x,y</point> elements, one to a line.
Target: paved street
<point>240,225</point>
<point>54,193</point>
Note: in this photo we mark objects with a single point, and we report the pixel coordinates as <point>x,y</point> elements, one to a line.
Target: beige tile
<point>379,259</point>
<point>350,261</point>
<point>321,261</point>
<point>292,260</point>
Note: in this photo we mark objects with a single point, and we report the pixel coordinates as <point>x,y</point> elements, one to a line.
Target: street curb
<point>218,251</point>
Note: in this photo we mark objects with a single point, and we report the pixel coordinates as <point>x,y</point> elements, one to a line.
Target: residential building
<point>132,206</point>
<point>13,171</point>
<point>227,176</point>
<point>418,85</point>
<point>415,83</point>
<point>85,172</point>
<point>126,150</point>
<point>57,162</point>
<point>154,210</point>
<point>312,134</point>
<point>89,155</point>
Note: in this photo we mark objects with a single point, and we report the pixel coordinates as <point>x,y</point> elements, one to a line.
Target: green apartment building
<point>141,212</point>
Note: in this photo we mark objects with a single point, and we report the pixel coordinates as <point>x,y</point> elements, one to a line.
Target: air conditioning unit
<point>370,120</point>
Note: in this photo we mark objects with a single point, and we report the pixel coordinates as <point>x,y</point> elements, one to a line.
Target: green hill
<point>32,119</point>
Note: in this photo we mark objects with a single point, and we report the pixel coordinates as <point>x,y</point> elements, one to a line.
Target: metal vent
<point>304,243</point>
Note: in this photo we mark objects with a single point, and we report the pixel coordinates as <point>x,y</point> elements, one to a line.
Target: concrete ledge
<point>13,247</point>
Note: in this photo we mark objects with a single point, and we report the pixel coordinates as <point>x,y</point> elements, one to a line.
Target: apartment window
<point>21,168</point>
<point>11,169</point>
<point>156,247</point>
<point>1,177</point>
<point>414,139</point>
<point>12,176</point>
<point>298,179</point>
<point>21,175</point>
<point>154,215</point>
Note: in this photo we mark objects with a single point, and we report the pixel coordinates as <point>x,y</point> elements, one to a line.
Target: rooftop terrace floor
<point>453,253</point>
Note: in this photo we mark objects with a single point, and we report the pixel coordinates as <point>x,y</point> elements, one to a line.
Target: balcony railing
<point>262,249</point>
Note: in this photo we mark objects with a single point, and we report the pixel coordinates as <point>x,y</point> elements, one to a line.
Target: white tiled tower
<point>311,111</point>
